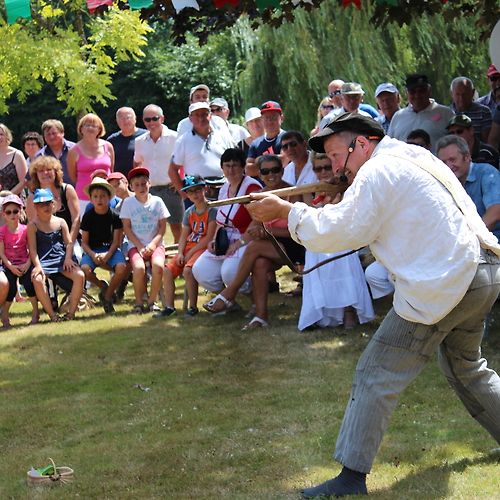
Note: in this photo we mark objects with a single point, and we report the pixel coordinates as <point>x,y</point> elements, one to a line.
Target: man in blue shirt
<point>480,180</point>
<point>56,145</point>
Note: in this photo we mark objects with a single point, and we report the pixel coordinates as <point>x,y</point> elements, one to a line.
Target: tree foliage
<point>294,62</point>
<point>78,55</point>
<point>209,19</point>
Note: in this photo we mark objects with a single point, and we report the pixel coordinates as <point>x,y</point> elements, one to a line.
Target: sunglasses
<point>151,119</point>
<point>195,190</point>
<point>326,168</point>
<point>10,212</point>
<point>43,203</point>
<point>458,131</point>
<point>334,93</point>
<point>291,144</point>
<point>272,170</point>
<point>216,109</point>
<point>326,106</point>
<point>494,78</point>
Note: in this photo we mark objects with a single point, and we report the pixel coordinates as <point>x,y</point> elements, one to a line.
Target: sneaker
<point>150,308</point>
<point>137,309</point>
<point>108,306</point>
<point>191,311</point>
<point>165,313</point>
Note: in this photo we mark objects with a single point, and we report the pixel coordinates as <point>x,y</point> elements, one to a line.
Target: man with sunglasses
<point>490,99</point>
<point>219,107</point>
<point>446,273</point>
<point>480,152</point>
<point>153,150</point>
<point>421,112</point>
<point>300,169</point>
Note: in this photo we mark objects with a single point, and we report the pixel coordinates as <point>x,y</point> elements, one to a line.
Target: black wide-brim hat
<point>347,122</point>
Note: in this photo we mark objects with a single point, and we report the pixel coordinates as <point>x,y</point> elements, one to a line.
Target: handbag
<point>221,242</point>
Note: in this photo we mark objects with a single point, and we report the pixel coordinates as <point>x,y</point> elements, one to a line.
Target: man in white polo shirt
<point>199,150</point>
<point>153,150</point>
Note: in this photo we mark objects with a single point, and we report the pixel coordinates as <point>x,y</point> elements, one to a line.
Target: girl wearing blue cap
<point>51,250</point>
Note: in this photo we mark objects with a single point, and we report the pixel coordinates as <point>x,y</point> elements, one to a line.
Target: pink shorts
<point>134,256</point>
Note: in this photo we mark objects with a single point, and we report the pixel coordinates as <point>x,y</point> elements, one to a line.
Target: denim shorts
<point>116,258</point>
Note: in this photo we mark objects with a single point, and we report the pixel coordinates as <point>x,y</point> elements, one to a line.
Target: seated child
<point>15,256</point>
<point>198,229</point>
<point>144,219</point>
<point>102,233</point>
<point>51,252</point>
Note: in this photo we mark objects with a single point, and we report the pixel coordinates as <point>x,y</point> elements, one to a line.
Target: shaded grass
<point>227,414</point>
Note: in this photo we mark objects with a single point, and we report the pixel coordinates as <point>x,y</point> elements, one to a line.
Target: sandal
<point>226,306</point>
<point>68,317</point>
<point>254,323</point>
<point>55,318</point>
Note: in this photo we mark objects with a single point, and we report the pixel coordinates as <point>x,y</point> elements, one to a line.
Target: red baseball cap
<point>116,175</point>
<point>135,172</point>
<point>492,70</point>
<point>270,106</point>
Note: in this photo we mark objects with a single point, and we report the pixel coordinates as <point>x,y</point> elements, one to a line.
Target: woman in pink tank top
<point>89,154</point>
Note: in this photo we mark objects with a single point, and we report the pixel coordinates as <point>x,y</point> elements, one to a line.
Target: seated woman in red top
<point>260,256</point>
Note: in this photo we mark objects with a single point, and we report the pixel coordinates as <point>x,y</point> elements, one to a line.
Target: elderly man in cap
<point>219,107</point>
<point>480,152</point>
<point>491,98</point>
<point>199,93</point>
<point>444,285</point>
<point>198,152</point>
<point>270,142</point>
<point>462,92</point>
<point>421,112</point>
<point>388,100</point>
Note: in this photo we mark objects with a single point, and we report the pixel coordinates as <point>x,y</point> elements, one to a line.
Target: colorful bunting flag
<point>264,4</point>
<point>140,4</point>
<point>394,3</point>
<point>297,2</point>
<point>182,4</point>
<point>93,4</point>
<point>16,9</point>
<point>357,3</point>
<point>221,3</point>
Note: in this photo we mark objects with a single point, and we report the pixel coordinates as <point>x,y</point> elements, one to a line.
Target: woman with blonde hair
<point>46,173</point>
<point>12,163</point>
<point>89,154</point>
<point>325,106</point>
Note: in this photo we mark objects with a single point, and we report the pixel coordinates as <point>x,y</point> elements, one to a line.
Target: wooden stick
<point>315,187</point>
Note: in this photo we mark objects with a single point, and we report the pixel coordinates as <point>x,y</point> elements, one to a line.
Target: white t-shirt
<point>201,156</point>
<point>156,156</point>
<point>306,176</point>
<point>412,224</point>
<point>144,217</point>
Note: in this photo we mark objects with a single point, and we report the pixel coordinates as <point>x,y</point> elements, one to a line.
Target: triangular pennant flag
<point>221,3</point>
<point>93,4</point>
<point>357,3</point>
<point>264,4</point>
<point>297,2</point>
<point>182,4</point>
<point>140,4</point>
<point>16,9</point>
<point>394,3</point>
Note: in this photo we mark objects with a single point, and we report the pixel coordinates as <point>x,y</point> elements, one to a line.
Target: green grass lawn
<point>194,408</point>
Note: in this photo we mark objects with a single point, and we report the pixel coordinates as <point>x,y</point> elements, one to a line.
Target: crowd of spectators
<point>69,208</point>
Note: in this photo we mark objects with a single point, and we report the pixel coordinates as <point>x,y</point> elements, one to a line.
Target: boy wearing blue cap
<point>198,228</point>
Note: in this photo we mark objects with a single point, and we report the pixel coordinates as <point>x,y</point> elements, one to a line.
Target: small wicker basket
<point>62,475</point>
